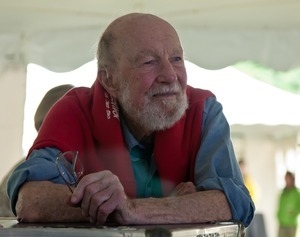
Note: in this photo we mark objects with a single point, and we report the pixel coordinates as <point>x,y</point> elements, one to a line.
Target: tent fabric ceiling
<point>62,35</point>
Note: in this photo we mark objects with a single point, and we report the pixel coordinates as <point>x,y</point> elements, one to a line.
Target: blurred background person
<point>46,103</point>
<point>257,227</point>
<point>249,183</point>
<point>288,207</point>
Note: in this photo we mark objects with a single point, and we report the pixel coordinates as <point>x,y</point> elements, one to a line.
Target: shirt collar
<point>129,138</point>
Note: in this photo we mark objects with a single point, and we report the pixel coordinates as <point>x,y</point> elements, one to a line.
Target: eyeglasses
<point>70,168</point>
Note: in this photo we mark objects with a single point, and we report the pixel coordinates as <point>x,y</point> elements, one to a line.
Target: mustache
<point>165,89</point>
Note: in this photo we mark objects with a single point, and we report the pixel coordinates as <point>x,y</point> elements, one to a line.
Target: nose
<point>167,72</point>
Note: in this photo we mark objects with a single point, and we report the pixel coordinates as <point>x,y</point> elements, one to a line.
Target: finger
<point>97,189</point>
<point>104,202</point>
<point>68,202</point>
<point>83,183</point>
<point>94,195</point>
<point>184,188</point>
<point>101,207</point>
<point>104,189</point>
<point>109,206</point>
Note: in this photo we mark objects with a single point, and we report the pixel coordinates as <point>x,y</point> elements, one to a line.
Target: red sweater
<point>87,120</point>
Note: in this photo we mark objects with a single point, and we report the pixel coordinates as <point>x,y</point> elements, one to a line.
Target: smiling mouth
<point>165,91</point>
<point>165,94</point>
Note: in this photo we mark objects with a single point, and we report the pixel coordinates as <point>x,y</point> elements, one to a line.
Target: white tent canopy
<point>61,35</point>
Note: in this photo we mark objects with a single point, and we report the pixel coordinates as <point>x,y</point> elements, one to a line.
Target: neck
<point>147,140</point>
<point>140,133</point>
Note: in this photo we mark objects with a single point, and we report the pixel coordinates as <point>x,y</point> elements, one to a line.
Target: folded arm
<point>101,196</point>
<point>44,201</point>
<point>199,207</point>
<point>50,204</point>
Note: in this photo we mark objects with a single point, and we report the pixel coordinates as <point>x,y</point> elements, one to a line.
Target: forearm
<point>197,207</point>
<point>44,201</point>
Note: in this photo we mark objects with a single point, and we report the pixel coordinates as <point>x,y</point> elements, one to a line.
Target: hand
<point>99,195</point>
<point>183,189</point>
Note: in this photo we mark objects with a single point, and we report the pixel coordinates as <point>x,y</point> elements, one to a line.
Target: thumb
<point>72,201</point>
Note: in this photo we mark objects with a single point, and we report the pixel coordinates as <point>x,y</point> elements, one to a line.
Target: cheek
<point>135,91</point>
<point>139,93</point>
<point>142,84</point>
<point>182,78</point>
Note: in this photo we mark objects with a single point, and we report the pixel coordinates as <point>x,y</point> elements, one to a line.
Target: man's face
<point>152,78</point>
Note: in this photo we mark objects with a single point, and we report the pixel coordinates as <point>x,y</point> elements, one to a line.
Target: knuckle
<point>90,189</point>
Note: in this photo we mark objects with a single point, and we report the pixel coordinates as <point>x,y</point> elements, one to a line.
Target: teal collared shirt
<point>144,167</point>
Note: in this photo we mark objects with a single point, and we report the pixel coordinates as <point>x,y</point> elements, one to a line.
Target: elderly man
<point>154,150</point>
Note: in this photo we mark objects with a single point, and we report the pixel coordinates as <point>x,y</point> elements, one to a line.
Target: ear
<point>107,82</point>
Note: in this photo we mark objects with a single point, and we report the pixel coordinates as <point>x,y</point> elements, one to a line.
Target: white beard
<point>154,115</point>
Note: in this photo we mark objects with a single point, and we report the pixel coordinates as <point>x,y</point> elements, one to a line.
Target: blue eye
<point>149,62</point>
<point>177,59</point>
